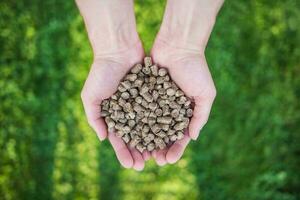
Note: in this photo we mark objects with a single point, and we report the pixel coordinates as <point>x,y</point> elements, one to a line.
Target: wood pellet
<point>148,111</point>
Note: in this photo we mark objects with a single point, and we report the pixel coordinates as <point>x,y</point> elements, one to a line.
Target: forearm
<point>188,24</point>
<point>110,25</point>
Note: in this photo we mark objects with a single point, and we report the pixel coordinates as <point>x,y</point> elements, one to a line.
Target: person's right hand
<point>111,28</point>
<point>102,81</point>
<point>189,70</point>
<point>179,46</point>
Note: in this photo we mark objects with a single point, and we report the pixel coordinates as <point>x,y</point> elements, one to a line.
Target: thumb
<point>92,110</point>
<point>200,115</point>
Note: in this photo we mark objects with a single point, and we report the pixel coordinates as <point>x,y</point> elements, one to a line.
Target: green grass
<point>248,150</point>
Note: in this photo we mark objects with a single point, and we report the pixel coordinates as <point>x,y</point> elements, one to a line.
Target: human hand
<point>179,46</point>
<point>188,68</point>
<point>102,81</point>
<point>111,28</point>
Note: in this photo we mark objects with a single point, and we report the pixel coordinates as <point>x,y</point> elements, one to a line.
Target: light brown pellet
<point>164,120</point>
<point>151,121</point>
<point>189,112</point>
<point>175,113</point>
<point>170,92</point>
<point>155,128</point>
<point>140,147</point>
<point>144,89</point>
<point>159,142</point>
<point>126,129</point>
<point>179,126</point>
<point>148,110</point>
<point>134,141</point>
<point>125,95</point>
<point>160,80</point>
<point>166,139</point>
<point>138,83</point>
<point>147,96</point>
<point>119,126</point>
<point>180,135</point>
<point>181,100</point>
<point>151,146</point>
<point>182,111</point>
<point>149,138</point>
<point>147,61</point>
<point>161,134</point>
<point>136,69</point>
<point>126,138</point>
<point>104,113</point>
<point>131,123</point>
<point>165,127</point>
<point>146,70</point>
<point>158,112</point>
<point>114,97</point>
<point>133,92</point>
<point>179,93</point>
<point>173,138</point>
<point>126,84</point>
<point>162,72</point>
<point>120,133</point>
<point>154,70</point>
<point>155,95</point>
<point>131,77</point>
<point>145,103</point>
<point>121,102</point>
<point>152,106</point>
<point>138,99</point>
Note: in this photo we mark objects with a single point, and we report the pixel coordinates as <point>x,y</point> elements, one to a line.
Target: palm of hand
<point>102,81</point>
<point>190,72</point>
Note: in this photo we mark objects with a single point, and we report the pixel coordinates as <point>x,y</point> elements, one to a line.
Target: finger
<point>138,163</point>
<point>92,110</point>
<point>176,150</point>
<point>154,153</point>
<point>122,152</point>
<point>200,116</point>
<point>146,155</point>
<point>161,157</point>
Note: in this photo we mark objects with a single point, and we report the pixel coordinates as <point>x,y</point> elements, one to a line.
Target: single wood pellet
<point>148,111</point>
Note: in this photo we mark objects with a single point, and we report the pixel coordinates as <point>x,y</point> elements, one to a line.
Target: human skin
<point>180,46</point>
<point>111,29</point>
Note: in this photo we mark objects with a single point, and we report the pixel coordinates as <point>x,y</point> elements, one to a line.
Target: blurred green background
<point>250,149</point>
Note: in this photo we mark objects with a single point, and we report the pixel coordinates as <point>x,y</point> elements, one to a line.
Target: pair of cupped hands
<point>188,68</point>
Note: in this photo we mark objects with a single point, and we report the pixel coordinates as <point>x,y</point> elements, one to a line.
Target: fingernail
<point>195,137</point>
<point>101,138</point>
<point>161,163</point>
<point>138,169</point>
<point>154,154</point>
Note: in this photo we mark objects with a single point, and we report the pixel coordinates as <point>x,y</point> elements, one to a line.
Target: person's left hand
<point>189,70</point>
<point>102,81</point>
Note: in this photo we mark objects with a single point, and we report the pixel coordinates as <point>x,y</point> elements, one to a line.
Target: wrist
<point>167,54</point>
<point>125,58</point>
<point>189,36</point>
<point>175,40</point>
<point>114,43</point>
<point>110,24</point>
<point>189,24</point>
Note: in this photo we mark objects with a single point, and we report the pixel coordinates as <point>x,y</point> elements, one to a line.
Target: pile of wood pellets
<point>148,111</point>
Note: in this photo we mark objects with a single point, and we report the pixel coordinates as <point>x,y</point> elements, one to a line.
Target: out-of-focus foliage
<point>249,149</point>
